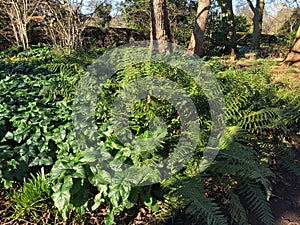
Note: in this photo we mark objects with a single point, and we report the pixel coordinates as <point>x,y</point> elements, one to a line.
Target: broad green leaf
<point>61,195</point>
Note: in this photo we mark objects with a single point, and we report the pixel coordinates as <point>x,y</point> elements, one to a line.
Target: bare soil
<point>285,200</point>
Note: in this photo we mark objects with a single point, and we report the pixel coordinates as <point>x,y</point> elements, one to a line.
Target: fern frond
<point>169,207</point>
<point>236,209</point>
<point>236,159</point>
<point>231,134</point>
<point>292,116</point>
<point>258,121</point>
<point>257,201</point>
<point>233,108</point>
<point>199,206</point>
<point>241,161</point>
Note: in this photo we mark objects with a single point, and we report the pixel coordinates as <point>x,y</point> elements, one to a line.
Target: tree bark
<point>294,55</point>
<point>160,28</point>
<point>257,19</point>
<point>229,26</point>
<point>196,42</point>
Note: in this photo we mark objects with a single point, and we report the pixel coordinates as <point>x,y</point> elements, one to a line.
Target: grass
<point>33,198</point>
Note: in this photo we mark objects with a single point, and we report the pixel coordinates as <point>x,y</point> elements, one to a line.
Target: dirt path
<point>286,200</point>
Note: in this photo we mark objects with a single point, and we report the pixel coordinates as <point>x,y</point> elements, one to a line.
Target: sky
<point>114,2</point>
<point>235,4</point>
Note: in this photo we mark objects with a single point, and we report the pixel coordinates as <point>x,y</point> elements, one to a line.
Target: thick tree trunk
<point>294,55</point>
<point>160,28</point>
<point>257,19</point>
<point>229,26</point>
<point>196,42</point>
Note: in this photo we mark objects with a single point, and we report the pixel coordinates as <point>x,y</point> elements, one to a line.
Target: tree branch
<point>251,5</point>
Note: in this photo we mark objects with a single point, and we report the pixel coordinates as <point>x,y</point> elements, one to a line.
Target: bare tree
<point>63,23</point>
<point>66,23</point>
<point>160,29</point>
<point>20,13</point>
<point>196,42</point>
<point>101,10</point>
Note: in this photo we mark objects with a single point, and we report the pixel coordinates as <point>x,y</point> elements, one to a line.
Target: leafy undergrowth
<point>46,179</point>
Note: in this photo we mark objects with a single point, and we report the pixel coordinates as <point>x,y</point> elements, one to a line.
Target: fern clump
<point>225,187</point>
<point>239,181</point>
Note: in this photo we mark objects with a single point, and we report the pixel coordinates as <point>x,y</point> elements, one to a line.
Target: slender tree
<point>229,26</point>
<point>257,19</point>
<point>294,55</point>
<point>160,29</point>
<point>20,13</point>
<point>196,42</point>
<point>66,23</point>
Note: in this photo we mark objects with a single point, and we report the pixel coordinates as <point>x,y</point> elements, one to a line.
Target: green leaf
<point>152,204</point>
<point>9,135</point>
<point>61,195</point>
<point>79,172</point>
<point>109,217</point>
<point>99,198</point>
<point>118,193</point>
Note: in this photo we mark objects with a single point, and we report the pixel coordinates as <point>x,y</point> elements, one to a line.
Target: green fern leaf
<point>236,209</point>
<point>257,201</point>
<point>258,121</point>
<point>200,206</point>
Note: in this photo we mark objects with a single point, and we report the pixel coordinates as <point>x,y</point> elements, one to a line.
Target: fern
<point>239,179</point>
<point>257,201</point>
<point>261,120</point>
<point>170,205</point>
<point>66,77</point>
<point>200,206</point>
<point>235,164</point>
<point>292,116</point>
<point>239,160</point>
<point>291,119</point>
<point>233,108</point>
<point>236,209</point>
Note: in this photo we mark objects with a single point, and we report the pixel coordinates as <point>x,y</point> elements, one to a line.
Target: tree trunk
<point>294,55</point>
<point>196,42</point>
<point>257,19</point>
<point>229,26</point>
<point>160,29</point>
